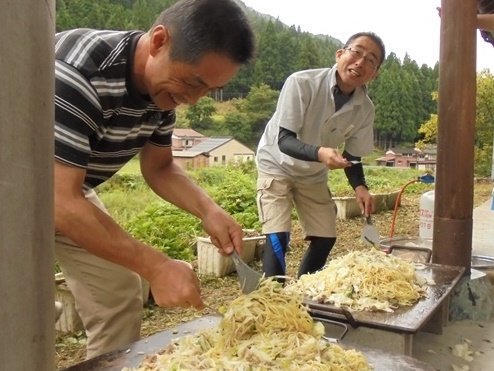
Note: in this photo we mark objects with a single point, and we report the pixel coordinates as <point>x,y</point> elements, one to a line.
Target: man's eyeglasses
<point>368,61</point>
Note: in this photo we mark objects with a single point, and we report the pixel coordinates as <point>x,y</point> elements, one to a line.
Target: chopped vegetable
<point>269,329</point>
<point>369,280</point>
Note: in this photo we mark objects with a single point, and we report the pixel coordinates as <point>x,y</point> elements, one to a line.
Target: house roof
<point>187,154</point>
<point>401,150</point>
<point>209,144</point>
<point>430,151</point>
<point>386,158</point>
<point>189,133</point>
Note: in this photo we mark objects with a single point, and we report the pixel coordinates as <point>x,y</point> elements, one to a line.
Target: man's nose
<point>360,61</point>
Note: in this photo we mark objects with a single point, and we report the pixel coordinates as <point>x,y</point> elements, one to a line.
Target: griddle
<point>133,355</point>
<point>406,319</point>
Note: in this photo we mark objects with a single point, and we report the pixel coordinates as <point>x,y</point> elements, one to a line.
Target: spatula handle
<point>235,258</point>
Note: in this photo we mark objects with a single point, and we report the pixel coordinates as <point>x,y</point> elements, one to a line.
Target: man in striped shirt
<point>115,97</point>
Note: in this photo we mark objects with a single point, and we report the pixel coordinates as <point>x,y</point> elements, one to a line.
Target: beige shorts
<point>315,207</point>
<point>108,297</point>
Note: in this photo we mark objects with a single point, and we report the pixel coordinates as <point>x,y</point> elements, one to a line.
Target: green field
<point>148,218</point>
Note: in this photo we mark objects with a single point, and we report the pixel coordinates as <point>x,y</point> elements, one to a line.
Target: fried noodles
<point>269,329</point>
<point>368,280</point>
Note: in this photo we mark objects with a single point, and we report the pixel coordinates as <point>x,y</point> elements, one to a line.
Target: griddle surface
<point>407,319</point>
<point>133,355</point>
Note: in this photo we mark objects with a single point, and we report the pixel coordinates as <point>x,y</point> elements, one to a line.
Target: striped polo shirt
<point>101,121</point>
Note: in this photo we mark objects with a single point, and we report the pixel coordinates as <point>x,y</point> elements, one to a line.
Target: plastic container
<point>210,261</point>
<point>426,219</point>
<point>69,320</point>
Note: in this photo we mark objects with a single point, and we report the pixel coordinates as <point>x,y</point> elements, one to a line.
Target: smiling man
<point>115,96</point>
<point>318,110</point>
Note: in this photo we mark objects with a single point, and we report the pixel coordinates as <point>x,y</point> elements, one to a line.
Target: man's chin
<point>166,106</point>
<point>169,107</point>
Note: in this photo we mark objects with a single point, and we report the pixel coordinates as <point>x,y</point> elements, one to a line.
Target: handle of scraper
<point>332,339</point>
<point>324,310</point>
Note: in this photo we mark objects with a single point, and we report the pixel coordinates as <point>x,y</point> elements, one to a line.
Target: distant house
<point>413,158</point>
<point>223,150</point>
<point>183,139</point>
<point>189,160</point>
<point>192,150</point>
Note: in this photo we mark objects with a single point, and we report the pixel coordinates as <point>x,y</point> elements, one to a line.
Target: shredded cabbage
<point>364,280</point>
<point>268,329</point>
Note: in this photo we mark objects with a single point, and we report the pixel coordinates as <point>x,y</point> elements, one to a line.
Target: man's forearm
<point>355,173</point>
<point>290,145</point>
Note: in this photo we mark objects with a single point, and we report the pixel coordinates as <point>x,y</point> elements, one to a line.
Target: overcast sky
<point>405,27</point>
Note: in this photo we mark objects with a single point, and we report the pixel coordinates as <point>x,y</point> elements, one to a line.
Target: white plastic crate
<point>210,261</point>
<point>347,207</point>
<point>69,320</point>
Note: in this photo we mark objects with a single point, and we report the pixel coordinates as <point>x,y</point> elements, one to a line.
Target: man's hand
<point>332,158</point>
<point>176,285</point>
<point>365,200</point>
<point>224,231</point>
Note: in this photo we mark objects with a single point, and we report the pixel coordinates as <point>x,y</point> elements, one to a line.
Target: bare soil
<point>70,348</point>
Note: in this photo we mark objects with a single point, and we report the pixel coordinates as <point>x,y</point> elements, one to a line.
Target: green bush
<point>166,228</point>
<point>234,189</point>
<point>380,179</point>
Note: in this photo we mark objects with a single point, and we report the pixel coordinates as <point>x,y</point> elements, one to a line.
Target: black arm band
<point>290,145</point>
<point>355,173</point>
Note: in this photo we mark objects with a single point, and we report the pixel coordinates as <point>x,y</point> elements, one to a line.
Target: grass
<point>132,167</point>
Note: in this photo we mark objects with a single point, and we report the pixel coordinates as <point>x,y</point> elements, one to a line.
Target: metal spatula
<point>370,235</point>
<point>248,277</point>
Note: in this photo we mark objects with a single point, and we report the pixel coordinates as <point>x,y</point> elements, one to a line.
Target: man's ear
<point>160,38</point>
<point>338,54</point>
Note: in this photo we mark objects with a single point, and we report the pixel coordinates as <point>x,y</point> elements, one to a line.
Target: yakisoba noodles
<point>363,280</point>
<point>268,329</point>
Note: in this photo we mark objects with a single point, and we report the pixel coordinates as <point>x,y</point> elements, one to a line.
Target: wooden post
<point>27,314</point>
<point>453,208</point>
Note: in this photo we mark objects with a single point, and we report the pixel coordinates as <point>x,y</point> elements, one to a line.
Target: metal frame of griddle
<point>394,331</point>
<point>133,354</point>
